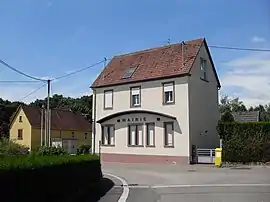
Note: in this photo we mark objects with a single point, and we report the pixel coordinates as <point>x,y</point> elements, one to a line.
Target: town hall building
<point>156,105</point>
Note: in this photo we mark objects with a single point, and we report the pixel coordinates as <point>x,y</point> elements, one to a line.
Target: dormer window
<point>203,69</point>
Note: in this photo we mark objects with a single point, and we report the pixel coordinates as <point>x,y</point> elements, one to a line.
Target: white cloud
<point>257,39</point>
<point>251,74</point>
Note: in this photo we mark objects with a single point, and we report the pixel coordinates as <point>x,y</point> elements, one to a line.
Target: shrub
<point>49,151</point>
<point>84,149</point>
<point>10,148</point>
<point>245,142</point>
<point>53,178</point>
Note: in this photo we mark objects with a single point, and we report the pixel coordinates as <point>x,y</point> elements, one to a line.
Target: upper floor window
<point>203,69</point>
<point>168,89</point>
<point>20,118</point>
<point>135,96</point>
<point>85,135</point>
<point>108,99</point>
<point>72,135</point>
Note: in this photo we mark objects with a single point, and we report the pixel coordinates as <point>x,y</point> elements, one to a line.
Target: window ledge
<point>134,106</point>
<point>107,145</point>
<point>135,146</point>
<point>204,80</point>
<point>166,146</point>
<point>109,108</point>
<point>168,103</point>
<point>151,146</point>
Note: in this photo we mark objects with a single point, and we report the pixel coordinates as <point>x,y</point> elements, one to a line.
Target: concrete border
<point>125,193</point>
<point>199,185</point>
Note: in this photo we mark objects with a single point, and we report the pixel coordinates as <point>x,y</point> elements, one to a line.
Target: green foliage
<point>50,178</point>
<point>9,148</point>
<point>245,142</point>
<point>49,151</point>
<point>84,149</point>
<point>227,117</point>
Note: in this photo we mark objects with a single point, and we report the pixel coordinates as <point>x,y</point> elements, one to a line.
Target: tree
<point>232,105</point>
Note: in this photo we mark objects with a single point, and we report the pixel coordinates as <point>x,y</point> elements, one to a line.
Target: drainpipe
<point>94,121</point>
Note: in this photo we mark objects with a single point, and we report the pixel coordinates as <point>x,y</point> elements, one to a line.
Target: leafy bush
<point>49,151</point>
<point>53,178</point>
<point>10,148</point>
<point>245,142</point>
<point>84,149</point>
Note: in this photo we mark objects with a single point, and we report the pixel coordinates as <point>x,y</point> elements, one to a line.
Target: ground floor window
<point>150,134</point>
<point>108,135</point>
<point>168,134</point>
<point>135,135</point>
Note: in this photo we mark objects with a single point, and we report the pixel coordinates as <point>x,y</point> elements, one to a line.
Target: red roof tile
<point>152,63</point>
<point>60,119</point>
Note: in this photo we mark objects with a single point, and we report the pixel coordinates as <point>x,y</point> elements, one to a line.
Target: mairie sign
<point>133,119</point>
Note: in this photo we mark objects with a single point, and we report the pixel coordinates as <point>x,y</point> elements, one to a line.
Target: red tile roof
<point>60,119</point>
<point>155,63</point>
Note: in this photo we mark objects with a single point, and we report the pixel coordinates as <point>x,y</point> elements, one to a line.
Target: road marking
<point>195,185</point>
<point>125,192</point>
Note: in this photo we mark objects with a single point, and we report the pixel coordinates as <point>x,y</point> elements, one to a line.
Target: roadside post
<point>218,154</point>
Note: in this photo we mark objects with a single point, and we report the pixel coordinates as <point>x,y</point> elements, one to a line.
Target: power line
<point>77,71</point>
<point>20,72</point>
<point>232,48</point>
<point>33,92</point>
<point>19,81</point>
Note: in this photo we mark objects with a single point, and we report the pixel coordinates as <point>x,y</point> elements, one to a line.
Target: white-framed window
<point>168,134</point>
<point>135,96</point>
<point>107,135</point>
<point>150,134</point>
<point>108,99</point>
<point>203,69</point>
<point>168,89</point>
<point>135,135</point>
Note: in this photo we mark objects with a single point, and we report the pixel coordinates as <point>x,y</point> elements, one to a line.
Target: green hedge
<point>47,178</point>
<point>245,142</point>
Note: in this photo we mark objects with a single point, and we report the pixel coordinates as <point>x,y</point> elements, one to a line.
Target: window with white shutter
<point>168,134</point>
<point>135,96</point>
<point>168,89</point>
<point>135,135</point>
<point>108,99</point>
<point>150,134</point>
<point>108,135</point>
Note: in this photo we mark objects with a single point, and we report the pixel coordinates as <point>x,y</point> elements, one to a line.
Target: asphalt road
<point>153,183</point>
<point>201,194</point>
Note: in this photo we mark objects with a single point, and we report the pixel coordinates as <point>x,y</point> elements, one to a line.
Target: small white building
<point>150,107</point>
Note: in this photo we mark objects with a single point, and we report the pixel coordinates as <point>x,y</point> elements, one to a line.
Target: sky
<point>50,38</point>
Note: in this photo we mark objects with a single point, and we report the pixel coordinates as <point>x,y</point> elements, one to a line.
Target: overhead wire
<point>19,81</point>
<point>20,72</point>
<point>79,70</point>
<point>31,93</point>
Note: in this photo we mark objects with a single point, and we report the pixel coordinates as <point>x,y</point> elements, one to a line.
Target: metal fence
<point>205,155</point>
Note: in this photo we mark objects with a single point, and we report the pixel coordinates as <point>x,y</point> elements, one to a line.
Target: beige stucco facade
<point>195,111</point>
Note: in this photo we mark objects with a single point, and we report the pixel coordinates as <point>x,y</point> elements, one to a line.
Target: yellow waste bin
<point>218,154</point>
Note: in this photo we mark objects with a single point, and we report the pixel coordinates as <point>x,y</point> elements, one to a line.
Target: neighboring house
<point>252,116</point>
<point>68,129</point>
<point>150,107</point>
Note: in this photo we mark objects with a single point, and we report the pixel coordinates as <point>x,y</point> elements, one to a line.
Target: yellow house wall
<point>25,126</point>
<point>64,134</point>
